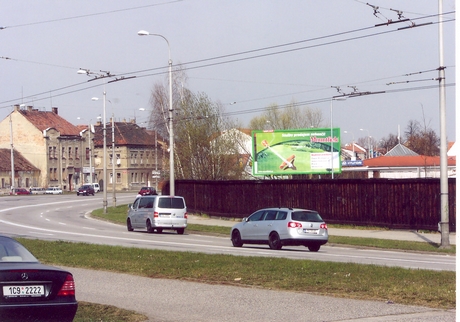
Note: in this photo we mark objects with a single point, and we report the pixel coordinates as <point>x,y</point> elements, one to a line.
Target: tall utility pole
<point>443,147</point>
<point>114,195</point>
<point>12,153</point>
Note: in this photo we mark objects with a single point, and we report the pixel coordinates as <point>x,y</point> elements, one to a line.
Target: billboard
<point>300,151</point>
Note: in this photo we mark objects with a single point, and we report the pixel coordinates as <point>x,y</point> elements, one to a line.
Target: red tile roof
<point>20,163</point>
<point>46,119</point>
<point>406,161</point>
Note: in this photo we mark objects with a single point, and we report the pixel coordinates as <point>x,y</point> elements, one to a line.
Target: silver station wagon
<point>156,213</point>
<point>280,227</point>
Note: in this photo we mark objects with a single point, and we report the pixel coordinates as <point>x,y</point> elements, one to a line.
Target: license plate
<point>310,231</point>
<point>24,291</point>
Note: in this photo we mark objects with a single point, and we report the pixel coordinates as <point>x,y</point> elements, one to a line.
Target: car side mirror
<point>130,206</point>
<point>245,219</point>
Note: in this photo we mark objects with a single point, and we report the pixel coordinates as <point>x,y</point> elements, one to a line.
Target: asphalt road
<point>63,217</point>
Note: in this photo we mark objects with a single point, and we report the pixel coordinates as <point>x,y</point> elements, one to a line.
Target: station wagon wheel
<point>128,225</point>
<point>313,248</point>
<point>180,231</point>
<point>159,230</point>
<point>274,241</point>
<point>149,227</point>
<point>236,238</point>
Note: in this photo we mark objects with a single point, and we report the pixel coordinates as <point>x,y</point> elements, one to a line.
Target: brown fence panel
<point>399,204</point>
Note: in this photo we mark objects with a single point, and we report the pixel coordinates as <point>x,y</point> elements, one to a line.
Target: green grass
<point>91,312</point>
<point>371,282</point>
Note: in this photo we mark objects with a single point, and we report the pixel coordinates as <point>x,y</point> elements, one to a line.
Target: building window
<point>76,154</point>
<point>54,152</point>
<point>87,154</point>
<point>118,177</point>
<point>50,152</point>
<point>70,152</point>
<point>63,153</point>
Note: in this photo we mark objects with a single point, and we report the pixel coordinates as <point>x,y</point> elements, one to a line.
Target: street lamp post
<point>335,98</point>
<point>368,143</point>
<point>171,134</point>
<point>90,151</point>
<point>104,156</point>
<point>353,144</point>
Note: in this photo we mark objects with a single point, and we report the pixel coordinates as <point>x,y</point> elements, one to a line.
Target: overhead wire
<point>228,56</point>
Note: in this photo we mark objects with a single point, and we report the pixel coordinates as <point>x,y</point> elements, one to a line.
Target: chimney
<point>55,110</point>
<point>16,107</point>
<point>29,108</point>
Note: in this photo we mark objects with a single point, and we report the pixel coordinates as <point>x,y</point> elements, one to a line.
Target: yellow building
<point>47,141</point>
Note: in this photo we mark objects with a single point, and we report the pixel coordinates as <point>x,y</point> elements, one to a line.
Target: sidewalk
<point>408,235</point>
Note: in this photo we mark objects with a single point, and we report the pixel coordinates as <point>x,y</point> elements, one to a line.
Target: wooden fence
<point>396,204</point>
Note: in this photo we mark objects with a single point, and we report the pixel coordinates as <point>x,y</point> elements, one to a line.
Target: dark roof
<point>126,133</point>
<point>43,120</point>
<point>20,163</point>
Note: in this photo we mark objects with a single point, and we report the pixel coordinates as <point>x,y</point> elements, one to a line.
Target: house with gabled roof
<point>136,157</point>
<point>47,141</point>
<point>26,175</point>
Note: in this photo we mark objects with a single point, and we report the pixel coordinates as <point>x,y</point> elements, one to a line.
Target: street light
<point>353,135</point>
<point>334,98</point>
<point>104,156</point>
<point>171,134</point>
<point>90,151</point>
<point>368,143</point>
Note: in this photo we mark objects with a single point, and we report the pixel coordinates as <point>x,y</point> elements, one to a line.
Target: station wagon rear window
<point>306,216</point>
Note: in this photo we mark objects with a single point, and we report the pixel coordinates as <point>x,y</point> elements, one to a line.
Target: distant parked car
<point>85,190</point>
<point>31,291</point>
<point>53,191</point>
<point>20,191</point>
<point>156,213</point>
<point>147,191</point>
<point>37,191</point>
<point>278,227</point>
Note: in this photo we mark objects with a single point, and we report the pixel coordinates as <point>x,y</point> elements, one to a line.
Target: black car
<point>31,291</point>
<point>85,190</point>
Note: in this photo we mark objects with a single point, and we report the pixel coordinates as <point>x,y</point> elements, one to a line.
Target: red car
<point>20,191</point>
<point>145,191</point>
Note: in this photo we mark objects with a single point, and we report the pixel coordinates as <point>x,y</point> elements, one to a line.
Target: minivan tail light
<point>155,214</point>
<point>68,288</point>
<point>323,226</point>
<point>186,216</point>
<point>293,224</point>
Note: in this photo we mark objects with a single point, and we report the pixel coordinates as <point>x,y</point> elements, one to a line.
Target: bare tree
<point>421,139</point>
<point>288,117</point>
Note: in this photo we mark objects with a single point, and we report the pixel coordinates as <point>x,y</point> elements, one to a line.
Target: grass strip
<point>348,280</point>
<point>91,312</point>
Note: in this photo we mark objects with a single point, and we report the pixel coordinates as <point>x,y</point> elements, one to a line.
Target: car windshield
<point>12,251</point>
<point>311,216</point>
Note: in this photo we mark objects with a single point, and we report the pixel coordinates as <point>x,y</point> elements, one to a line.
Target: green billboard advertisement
<point>301,151</point>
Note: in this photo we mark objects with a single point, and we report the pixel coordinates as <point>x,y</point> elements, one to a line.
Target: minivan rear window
<point>306,216</point>
<point>173,203</point>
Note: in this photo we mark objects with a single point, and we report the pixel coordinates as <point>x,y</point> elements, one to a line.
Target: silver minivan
<point>156,213</point>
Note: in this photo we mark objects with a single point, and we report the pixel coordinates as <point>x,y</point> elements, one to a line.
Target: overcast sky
<point>246,54</point>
